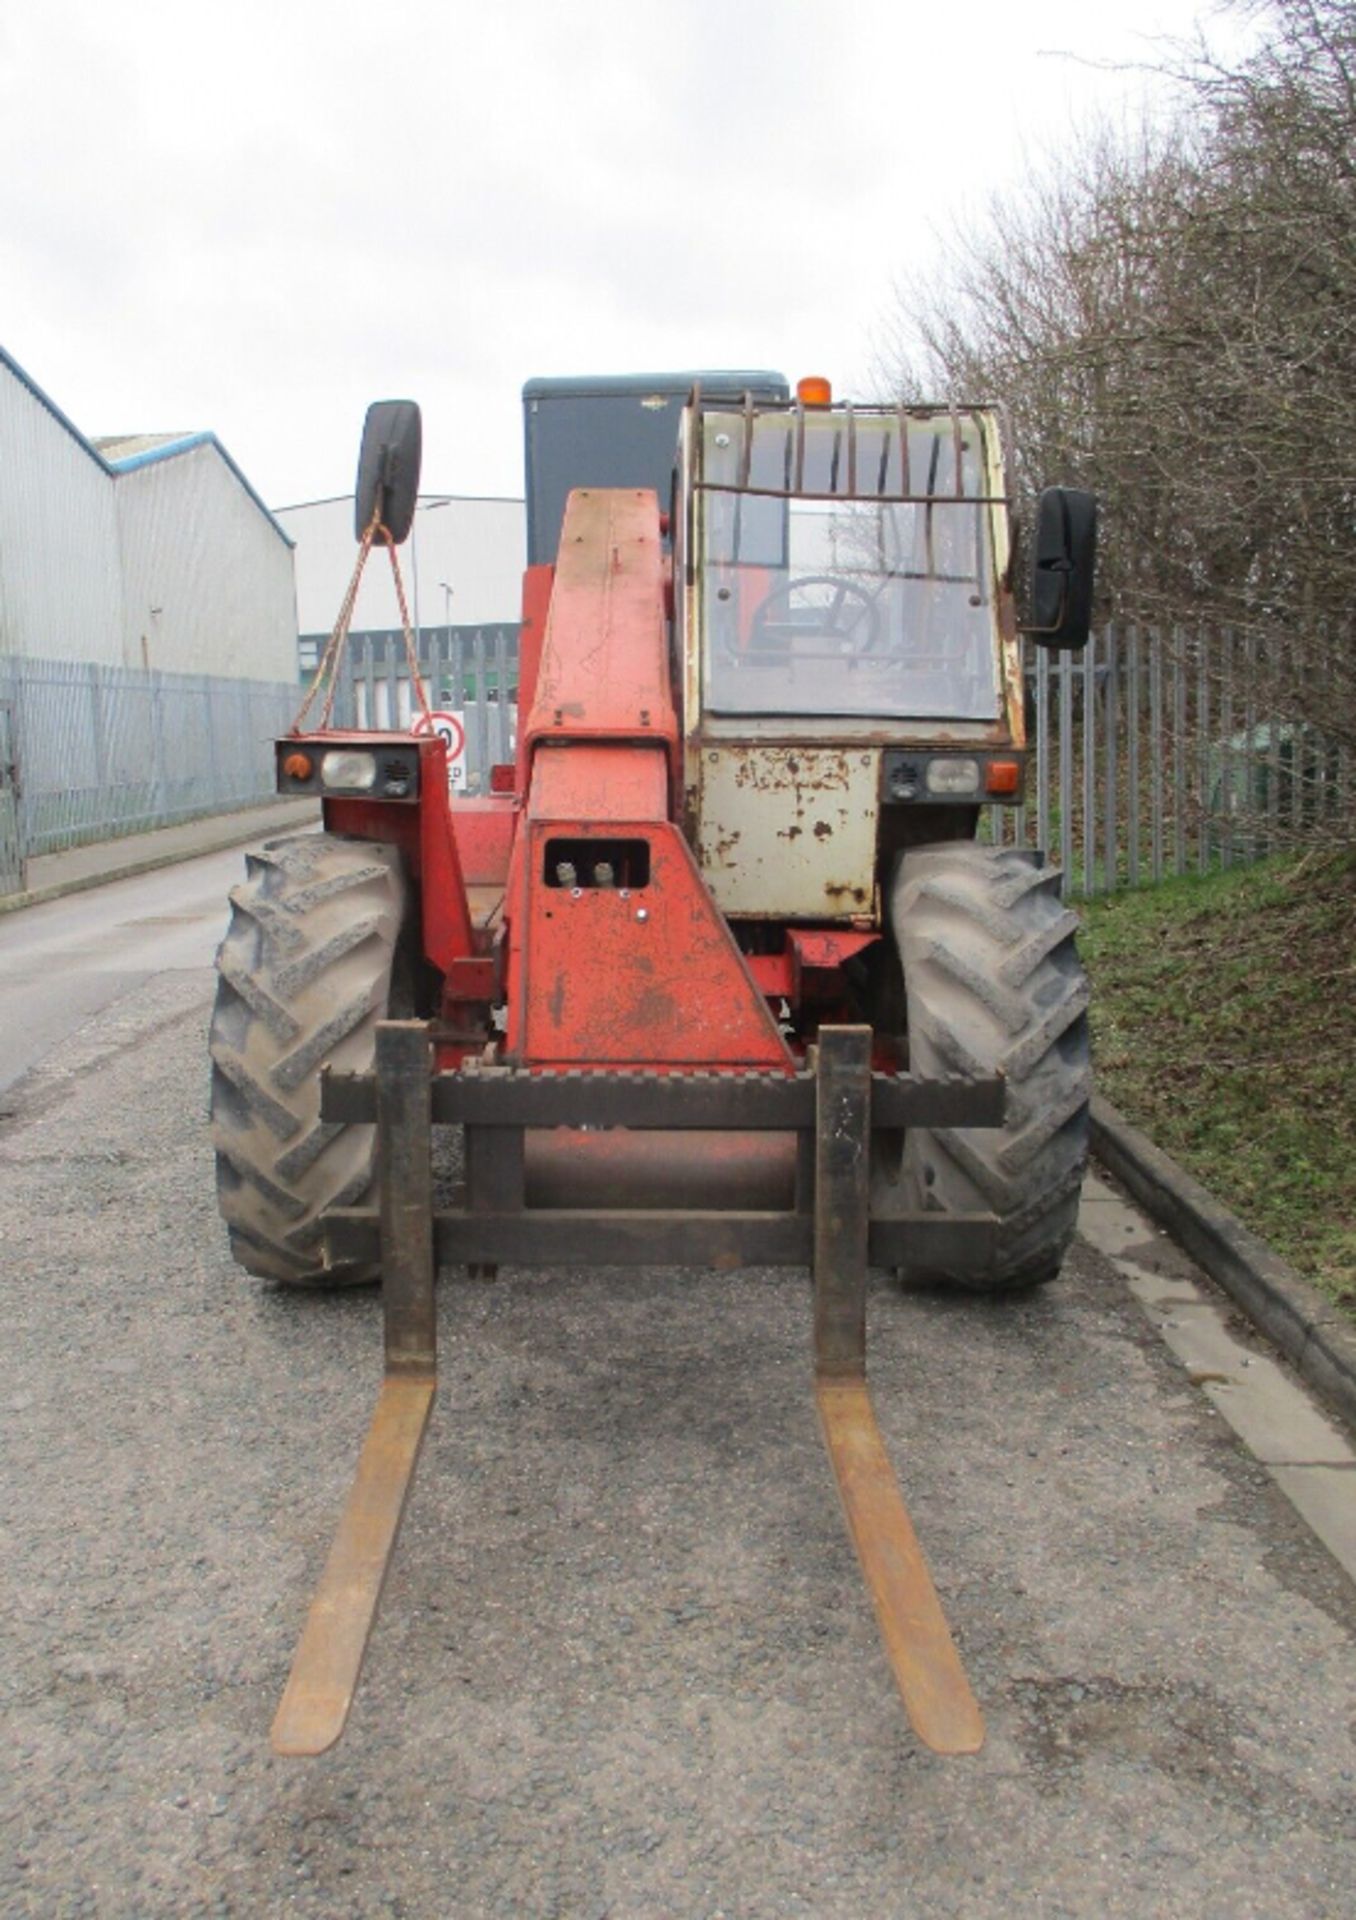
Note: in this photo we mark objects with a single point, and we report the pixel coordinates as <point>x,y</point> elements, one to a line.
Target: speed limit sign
<point>450,728</point>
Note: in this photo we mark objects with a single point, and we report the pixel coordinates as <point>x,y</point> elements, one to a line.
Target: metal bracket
<point>936,1693</point>
<point>329,1658</point>
<point>831,1109</point>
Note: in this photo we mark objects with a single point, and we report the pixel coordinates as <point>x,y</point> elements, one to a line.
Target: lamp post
<point>421,506</point>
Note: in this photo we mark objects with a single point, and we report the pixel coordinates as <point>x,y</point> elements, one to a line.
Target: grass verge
<point>1224,1025</point>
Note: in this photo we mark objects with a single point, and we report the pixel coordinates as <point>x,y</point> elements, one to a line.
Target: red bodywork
<point>576,902</point>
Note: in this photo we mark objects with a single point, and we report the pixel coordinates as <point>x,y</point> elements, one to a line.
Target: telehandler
<point>718,972</point>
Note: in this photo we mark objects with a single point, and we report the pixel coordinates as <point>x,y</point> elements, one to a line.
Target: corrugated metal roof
<point>137,450</point>
<point>169,446</point>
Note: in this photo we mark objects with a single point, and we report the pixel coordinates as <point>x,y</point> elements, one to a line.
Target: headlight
<point>952,776</point>
<point>344,768</point>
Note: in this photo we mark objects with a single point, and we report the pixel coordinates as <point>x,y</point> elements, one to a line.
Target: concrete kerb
<point>1312,1334</point>
<point>236,834</point>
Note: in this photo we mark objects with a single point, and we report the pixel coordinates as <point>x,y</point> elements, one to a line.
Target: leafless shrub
<point>1172,320</point>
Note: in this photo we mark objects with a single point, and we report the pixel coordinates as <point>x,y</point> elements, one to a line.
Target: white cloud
<point>256,217</point>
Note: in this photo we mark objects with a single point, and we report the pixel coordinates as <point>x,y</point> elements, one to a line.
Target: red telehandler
<point>716,973</point>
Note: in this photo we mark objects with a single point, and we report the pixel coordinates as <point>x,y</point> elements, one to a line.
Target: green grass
<point>1224,1025</point>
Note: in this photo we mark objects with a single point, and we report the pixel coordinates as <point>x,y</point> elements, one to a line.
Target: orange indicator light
<point>814,391</point>
<point>298,766</point>
<point>1003,776</point>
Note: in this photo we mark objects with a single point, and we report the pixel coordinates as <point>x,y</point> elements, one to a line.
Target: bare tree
<point>1172,320</point>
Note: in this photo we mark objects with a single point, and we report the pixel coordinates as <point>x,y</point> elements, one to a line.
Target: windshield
<point>856,602</point>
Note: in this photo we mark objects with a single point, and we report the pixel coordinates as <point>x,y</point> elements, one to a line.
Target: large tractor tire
<point>305,972</point>
<point>992,981</point>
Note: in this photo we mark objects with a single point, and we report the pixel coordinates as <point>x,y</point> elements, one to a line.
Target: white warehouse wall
<point>60,593</point>
<point>207,580</point>
<point>164,558</point>
<point>477,545</point>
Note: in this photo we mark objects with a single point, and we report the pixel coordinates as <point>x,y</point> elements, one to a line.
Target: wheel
<point>305,972</point>
<point>831,607</point>
<point>992,981</point>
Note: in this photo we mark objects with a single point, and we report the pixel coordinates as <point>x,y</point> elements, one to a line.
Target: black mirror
<point>1062,565</point>
<point>388,468</point>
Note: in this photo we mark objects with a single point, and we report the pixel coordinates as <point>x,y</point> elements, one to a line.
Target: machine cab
<point>842,600</point>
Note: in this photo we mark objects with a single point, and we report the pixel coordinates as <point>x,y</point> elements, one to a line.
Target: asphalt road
<point>63,963</point>
<point>626,1666</point>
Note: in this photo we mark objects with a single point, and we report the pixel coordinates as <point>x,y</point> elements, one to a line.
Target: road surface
<point>626,1666</point>
<point>63,963</point>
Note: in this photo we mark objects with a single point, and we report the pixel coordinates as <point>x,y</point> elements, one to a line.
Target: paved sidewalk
<point>51,875</point>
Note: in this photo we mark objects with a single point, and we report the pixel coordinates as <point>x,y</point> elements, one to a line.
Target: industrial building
<point>148,649</point>
<point>149,551</point>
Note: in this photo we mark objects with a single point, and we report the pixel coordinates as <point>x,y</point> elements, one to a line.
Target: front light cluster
<point>347,769</point>
<point>958,775</point>
<point>385,772</point>
<point>908,774</point>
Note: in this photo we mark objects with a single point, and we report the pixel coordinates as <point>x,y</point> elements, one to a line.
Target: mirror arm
<point>1066,570</point>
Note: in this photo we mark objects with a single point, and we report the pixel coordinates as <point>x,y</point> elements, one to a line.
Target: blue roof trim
<point>129,462</point>
<point>45,400</point>
<point>171,448</point>
<point>113,468</point>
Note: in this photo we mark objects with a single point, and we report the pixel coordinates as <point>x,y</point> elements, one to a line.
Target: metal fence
<point>95,752</point>
<point>1152,754</point>
<point>1162,754</point>
<point>469,671</point>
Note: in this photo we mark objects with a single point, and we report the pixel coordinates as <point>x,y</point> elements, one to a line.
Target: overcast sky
<point>256,216</point>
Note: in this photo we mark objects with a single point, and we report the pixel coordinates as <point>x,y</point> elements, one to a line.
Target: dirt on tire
<point>303,976</point>
<point>993,983</point>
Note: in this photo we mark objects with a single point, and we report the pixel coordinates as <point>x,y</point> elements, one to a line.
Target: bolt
<point>642,913</point>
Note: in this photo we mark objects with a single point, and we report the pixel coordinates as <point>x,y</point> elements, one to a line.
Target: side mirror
<point>388,468</point>
<point>1063,562</point>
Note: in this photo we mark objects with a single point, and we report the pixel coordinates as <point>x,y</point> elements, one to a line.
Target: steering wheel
<point>850,615</point>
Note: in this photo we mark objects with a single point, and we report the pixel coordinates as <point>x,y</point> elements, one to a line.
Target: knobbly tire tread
<point>304,974</point>
<point>992,980</point>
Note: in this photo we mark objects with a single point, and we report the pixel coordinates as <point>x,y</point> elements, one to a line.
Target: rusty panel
<point>932,1682</point>
<point>789,832</point>
<point>648,976</point>
<point>605,784</point>
<point>604,667</point>
<point>324,1677</point>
